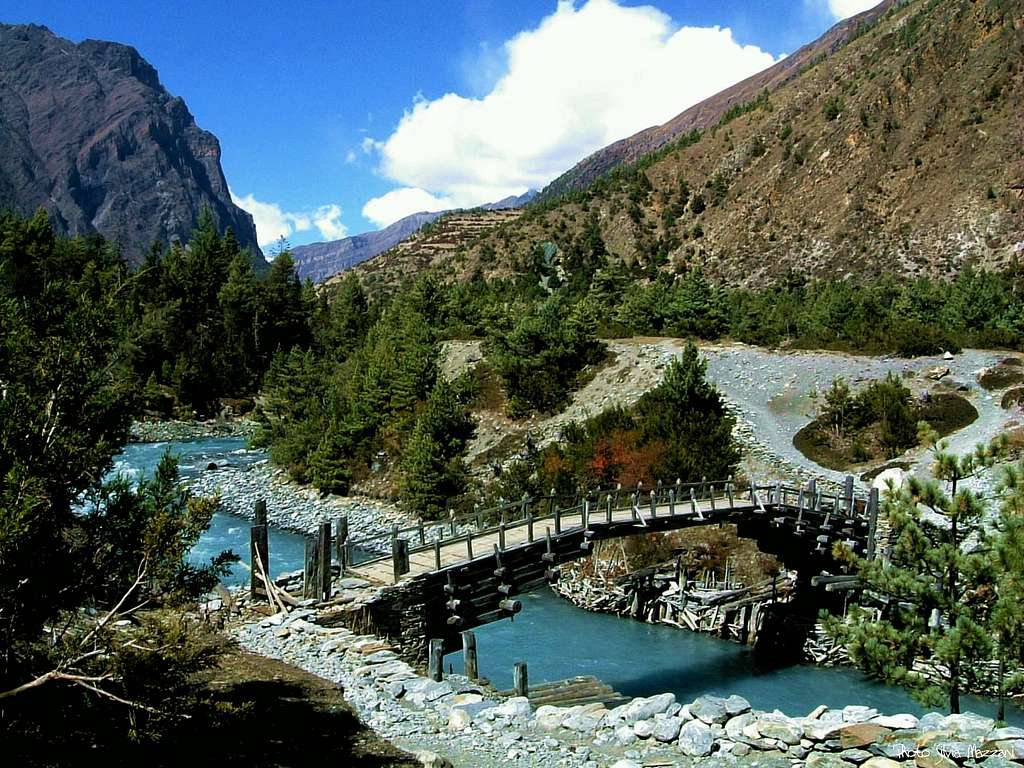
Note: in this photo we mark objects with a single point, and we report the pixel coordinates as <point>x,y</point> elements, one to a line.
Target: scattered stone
<point>929,759</point>
<point>736,705</point>
<point>432,760</point>
<point>667,729</point>
<point>711,709</point>
<point>777,726</point>
<point>695,739</point>
<point>880,762</point>
<point>862,734</point>
<point>896,722</point>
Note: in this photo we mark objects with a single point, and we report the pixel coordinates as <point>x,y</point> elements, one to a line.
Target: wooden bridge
<point>461,573</point>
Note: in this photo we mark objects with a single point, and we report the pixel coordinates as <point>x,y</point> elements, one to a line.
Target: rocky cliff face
<point>88,133</point>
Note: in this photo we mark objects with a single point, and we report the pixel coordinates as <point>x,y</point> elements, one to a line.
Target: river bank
<point>190,431</point>
<point>291,506</point>
<point>466,723</point>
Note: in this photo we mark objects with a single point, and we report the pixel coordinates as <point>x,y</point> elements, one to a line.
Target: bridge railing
<point>588,506</point>
<point>482,521</point>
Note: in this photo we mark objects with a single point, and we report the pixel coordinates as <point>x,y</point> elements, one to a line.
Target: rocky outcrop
<point>88,133</point>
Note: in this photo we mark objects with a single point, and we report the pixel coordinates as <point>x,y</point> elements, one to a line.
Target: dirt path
<point>769,392</point>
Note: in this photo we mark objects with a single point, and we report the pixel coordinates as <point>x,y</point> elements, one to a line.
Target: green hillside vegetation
<point>878,423</point>
<point>888,155</point>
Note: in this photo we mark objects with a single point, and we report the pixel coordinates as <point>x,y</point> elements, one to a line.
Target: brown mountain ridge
<point>894,148</point>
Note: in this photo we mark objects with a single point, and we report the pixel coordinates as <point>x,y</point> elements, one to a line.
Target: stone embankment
<point>466,723</point>
<point>291,506</point>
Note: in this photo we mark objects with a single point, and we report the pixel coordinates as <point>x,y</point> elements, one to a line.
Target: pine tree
<point>934,584</point>
<point>435,473</point>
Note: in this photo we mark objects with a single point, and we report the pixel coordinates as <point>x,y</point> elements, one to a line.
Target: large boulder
<point>696,739</point>
<point>710,709</point>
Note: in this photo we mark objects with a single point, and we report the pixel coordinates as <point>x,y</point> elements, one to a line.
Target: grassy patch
<point>946,413</point>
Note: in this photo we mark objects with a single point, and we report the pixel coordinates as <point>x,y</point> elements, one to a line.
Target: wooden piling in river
<point>435,659</point>
<point>323,572</point>
<point>520,679</point>
<point>469,655</point>
<point>259,552</point>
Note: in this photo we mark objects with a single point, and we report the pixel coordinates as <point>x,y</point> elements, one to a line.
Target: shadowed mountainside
<point>88,133</point>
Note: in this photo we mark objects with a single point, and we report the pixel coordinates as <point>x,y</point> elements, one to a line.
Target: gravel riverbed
<point>291,506</point>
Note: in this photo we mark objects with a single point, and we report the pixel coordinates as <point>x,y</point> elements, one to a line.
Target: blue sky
<point>339,117</point>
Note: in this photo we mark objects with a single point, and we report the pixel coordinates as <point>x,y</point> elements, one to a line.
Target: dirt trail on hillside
<point>769,392</point>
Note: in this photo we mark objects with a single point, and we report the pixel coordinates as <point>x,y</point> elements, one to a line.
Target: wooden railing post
<point>422,532</point>
<point>654,505</point>
<point>259,550</point>
<point>400,558</point>
<point>848,494</point>
<point>529,524</point>
<point>728,492</point>
<point>437,554</point>
<point>585,514</point>
<point>672,502</point>
<point>693,502</point>
<point>469,545</point>
<point>435,659</point>
<point>558,520</point>
<point>711,496</point>
<point>469,658</point>
<point>608,508</point>
<point>872,522</point>
<point>703,487</point>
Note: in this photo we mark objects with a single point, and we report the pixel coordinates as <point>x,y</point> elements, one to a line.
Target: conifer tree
<point>435,473</point>
<point>934,584</point>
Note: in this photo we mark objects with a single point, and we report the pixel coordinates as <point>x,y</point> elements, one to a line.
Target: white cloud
<point>844,9</point>
<point>585,77</point>
<point>272,223</point>
<point>392,206</point>
<point>350,156</point>
<point>327,219</point>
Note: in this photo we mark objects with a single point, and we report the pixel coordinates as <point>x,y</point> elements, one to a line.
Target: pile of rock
<point>467,722</point>
<point>187,431</point>
<point>291,506</point>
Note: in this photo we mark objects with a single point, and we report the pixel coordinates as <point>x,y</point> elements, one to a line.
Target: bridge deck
<point>456,550</point>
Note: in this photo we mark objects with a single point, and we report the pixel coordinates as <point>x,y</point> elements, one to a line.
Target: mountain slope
<point>898,152</point>
<point>708,112</point>
<point>319,261</point>
<point>88,132</point>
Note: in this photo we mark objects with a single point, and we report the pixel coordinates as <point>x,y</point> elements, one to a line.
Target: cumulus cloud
<point>844,9</point>
<point>327,219</point>
<point>394,205</point>
<point>273,223</point>
<point>585,77</point>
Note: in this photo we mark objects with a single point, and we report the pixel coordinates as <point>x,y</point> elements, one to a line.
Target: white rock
<point>896,722</point>
<point>644,729</point>
<point>517,706</point>
<point>667,730</point>
<point>642,709</point>
<point>458,720</point>
<point>432,760</point>
<point>625,736</point>
<point>696,739</point>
